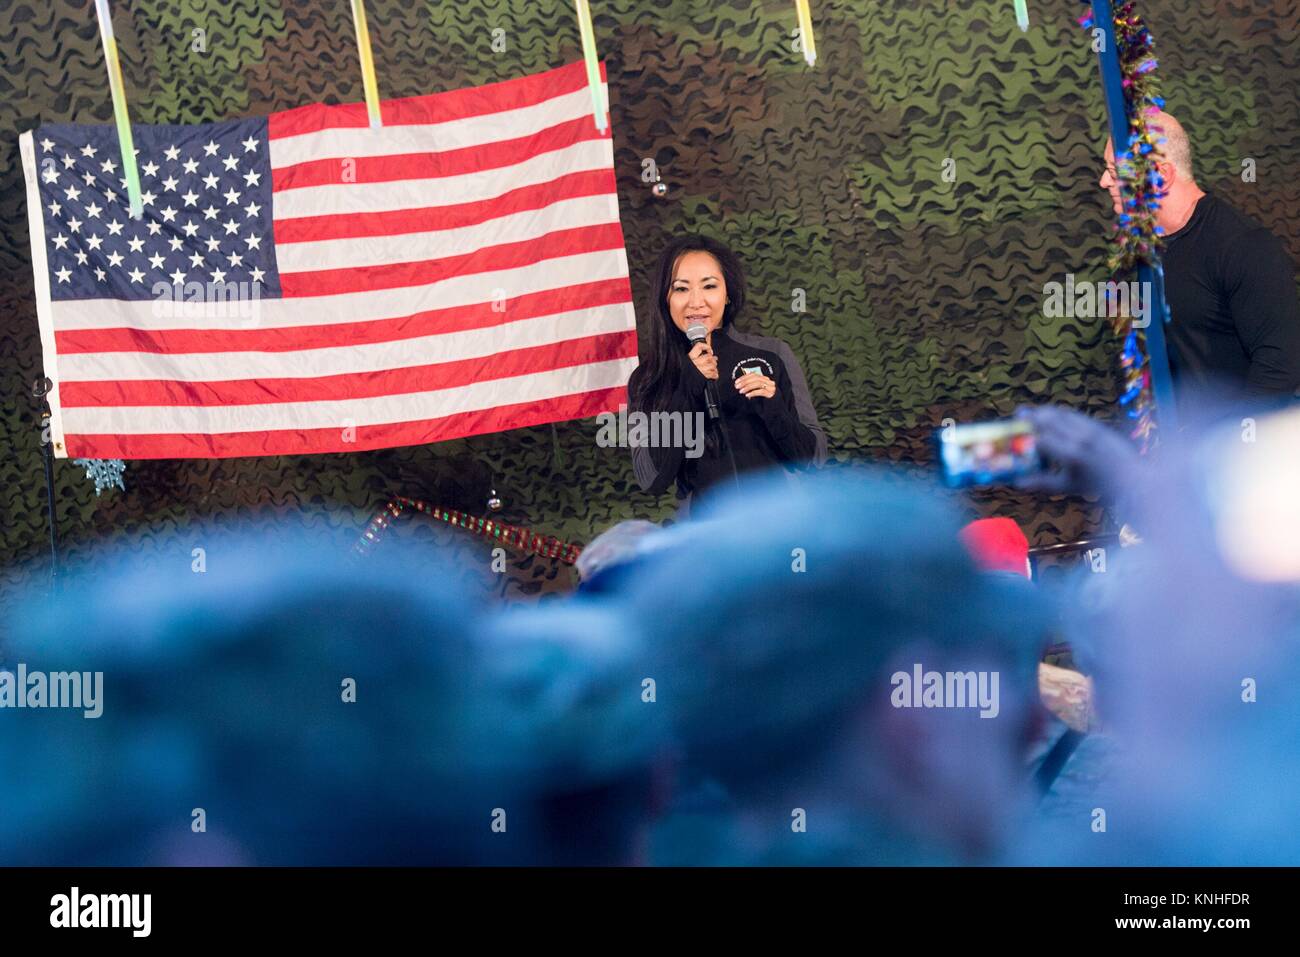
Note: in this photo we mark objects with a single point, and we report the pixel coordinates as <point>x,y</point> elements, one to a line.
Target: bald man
<point>1230,286</point>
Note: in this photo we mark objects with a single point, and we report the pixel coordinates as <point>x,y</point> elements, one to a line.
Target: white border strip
<point>41,283</point>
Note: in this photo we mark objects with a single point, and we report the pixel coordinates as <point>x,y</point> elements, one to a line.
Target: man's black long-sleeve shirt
<point>1235,316</point>
<point>763,432</point>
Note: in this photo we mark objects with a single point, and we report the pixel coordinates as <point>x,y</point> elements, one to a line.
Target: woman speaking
<point>748,391</point>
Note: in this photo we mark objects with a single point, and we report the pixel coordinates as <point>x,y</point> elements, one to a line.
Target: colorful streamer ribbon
<point>367,63</point>
<point>806,32</point>
<point>598,105</point>
<point>1022,15</point>
<point>118,89</point>
<point>515,537</point>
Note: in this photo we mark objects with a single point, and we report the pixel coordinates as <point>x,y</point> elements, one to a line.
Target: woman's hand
<point>704,360</point>
<point>752,385</point>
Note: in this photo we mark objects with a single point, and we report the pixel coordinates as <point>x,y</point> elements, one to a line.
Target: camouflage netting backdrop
<point>923,295</point>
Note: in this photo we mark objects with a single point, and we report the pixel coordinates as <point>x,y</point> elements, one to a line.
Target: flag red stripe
<point>304,229</point>
<point>318,441</point>
<point>436,107</point>
<point>353,385</point>
<point>564,242</point>
<point>292,338</point>
<point>360,170</point>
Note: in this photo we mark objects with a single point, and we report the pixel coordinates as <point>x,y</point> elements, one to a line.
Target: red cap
<point>997,545</point>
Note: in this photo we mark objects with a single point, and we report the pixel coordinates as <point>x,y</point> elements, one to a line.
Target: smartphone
<point>987,453</point>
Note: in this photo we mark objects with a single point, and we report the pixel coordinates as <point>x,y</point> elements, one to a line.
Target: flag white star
<point>64,274</point>
<point>72,192</point>
<point>232,197</point>
<point>168,214</point>
<point>60,241</point>
<point>210,148</point>
<point>252,209</point>
<point>123,183</point>
<point>108,166</point>
<point>210,212</point>
<point>110,196</point>
<point>191,166</point>
<point>68,161</point>
<point>93,211</point>
<point>114,228</point>
<point>115,259</point>
<point>47,144</point>
<point>136,275</point>
<point>218,276</point>
<point>99,274</point>
<point>252,178</point>
<point>172,153</point>
<point>170,183</point>
<point>88,150</point>
<point>94,242</point>
<point>211,181</point>
<point>190,228</point>
<point>235,259</point>
<point>213,244</point>
<point>175,243</point>
<point>191,198</point>
<point>156,260</point>
<point>81,258</point>
<point>257,275</point>
<point>250,144</point>
<point>177,277</point>
<point>50,174</point>
<point>74,225</point>
<point>253,241</point>
<point>230,162</point>
<point>147,198</point>
<point>136,244</point>
<point>88,179</point>
<point>150,168</point>
<point>231,226</point>
<point>154,227</point>
<point>196,259</point>
<point>54,207</point>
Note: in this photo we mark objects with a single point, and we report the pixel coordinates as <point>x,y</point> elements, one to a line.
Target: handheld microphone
<point>697,332</point>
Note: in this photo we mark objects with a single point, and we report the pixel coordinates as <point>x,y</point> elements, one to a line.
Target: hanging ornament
<point>660,189</point>
<point>107,473</point>
<point>493,502</point>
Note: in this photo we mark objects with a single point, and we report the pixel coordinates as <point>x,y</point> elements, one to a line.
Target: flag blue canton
<point>206,193</point>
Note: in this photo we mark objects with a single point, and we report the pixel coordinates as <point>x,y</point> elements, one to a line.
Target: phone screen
<point>987,453</point>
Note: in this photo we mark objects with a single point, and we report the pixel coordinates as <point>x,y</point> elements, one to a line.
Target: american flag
<point>304,283</point>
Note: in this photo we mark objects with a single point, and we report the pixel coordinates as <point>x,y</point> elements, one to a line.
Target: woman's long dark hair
<point>662,346</point>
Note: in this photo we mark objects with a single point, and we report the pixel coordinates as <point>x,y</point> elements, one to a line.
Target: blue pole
<point>1151,275</point>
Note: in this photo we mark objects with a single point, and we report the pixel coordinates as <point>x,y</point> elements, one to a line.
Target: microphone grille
<point>697,331</point>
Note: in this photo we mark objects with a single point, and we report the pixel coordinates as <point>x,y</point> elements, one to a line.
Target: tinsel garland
<point>1137,239</point>
<point>106,473</point>
<point>515,537</point>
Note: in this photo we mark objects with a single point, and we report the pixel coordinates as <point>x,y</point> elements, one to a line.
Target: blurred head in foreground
<point>300,707</point>
<point>837,663</point>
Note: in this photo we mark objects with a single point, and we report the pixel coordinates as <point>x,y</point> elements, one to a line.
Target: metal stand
<point>40,389</point>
